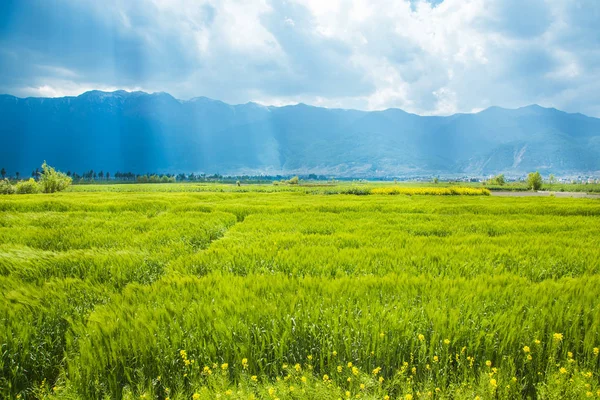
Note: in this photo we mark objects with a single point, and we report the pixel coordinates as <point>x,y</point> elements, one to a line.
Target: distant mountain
<point>141,132</point>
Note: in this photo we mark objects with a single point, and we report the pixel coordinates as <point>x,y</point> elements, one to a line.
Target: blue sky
<point>429,57</point>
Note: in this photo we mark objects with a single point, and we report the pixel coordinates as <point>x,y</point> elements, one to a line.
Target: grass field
<point>278,292</point>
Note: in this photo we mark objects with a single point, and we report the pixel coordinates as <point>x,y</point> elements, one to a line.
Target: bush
<point>52,180</point>
<point>497,180</point>
<point>6,187</point>
<point>28,187</point>
<point>534,181</point>
<point>293,181</point>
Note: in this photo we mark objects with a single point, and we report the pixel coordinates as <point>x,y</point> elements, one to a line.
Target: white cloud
<point>428,57</point>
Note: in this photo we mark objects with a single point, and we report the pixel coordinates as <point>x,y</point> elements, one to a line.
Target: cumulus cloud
<point>433,57</point>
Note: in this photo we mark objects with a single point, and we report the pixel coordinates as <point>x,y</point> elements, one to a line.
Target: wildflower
<point>362,386</point>
<point>381,379</point>
<point>354,371</point>
<point>529,358</point>
<point>381,335</point>
<point>446,341</point>
<point>284,366</point>
<point>514,379</point>
<point>339,368</point>
<point>350,364</point>
<point>526,349</point>
<point>334,353</point>
<point>376,370</point>
<point>271,391</point>
<point>183,353</point>
<point>195,396</point>
<point>325,378</point>
<point>309,357</point>
<point>386,397</point>
<point>347,393</point>
<point>493,383</point>
<point>224,366</point>
<point>558,337</point>
<point>488,363</point>
<point>297,367</point>
<point>244,363</point>
<point>596,351</point>
<point>569,354</point>
<point>414,370</point>
<point>291,388</point>
<point>563,370</point>
<point>303,379</point>
<point>408,397</point>
<point>421,337</point>
<point>436,359</point>
<point>349,380</point>
<point>254,378</point>
<point>229,392</point>
<point>589,394</point>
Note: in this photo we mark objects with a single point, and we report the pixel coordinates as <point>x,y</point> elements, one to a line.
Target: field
<point>279,292</point>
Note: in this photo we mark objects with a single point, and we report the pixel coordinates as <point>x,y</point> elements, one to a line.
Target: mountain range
<point>142,132</point>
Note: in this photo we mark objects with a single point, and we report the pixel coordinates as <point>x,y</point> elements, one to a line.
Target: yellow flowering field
<point>293,294</point>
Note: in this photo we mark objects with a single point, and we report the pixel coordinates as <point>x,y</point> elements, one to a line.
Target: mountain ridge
<point>142,132</point>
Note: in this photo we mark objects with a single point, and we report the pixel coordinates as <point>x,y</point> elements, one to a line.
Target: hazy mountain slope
<point>142,132</point>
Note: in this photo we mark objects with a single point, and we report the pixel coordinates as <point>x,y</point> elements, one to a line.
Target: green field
<point>204,291</point>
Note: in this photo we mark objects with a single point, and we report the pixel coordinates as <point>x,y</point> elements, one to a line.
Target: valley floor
<point>126,291</point>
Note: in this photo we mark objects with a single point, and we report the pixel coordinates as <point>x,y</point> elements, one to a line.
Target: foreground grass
<point>297,295</point>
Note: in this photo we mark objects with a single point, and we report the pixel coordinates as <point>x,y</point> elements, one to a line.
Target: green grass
<point>104,286</point>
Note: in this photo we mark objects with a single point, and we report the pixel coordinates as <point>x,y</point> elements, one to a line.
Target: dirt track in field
<point>546,194</point>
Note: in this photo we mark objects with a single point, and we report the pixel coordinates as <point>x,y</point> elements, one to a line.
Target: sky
<point>430,57</point>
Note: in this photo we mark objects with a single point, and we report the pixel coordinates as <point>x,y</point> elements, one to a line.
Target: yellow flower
<point>349,364</point>
<point>229,392</point>
<point>347,393</point>
<point>244,363</point>
<point>303,379</point>
<point>408,397</point>
<point>339,368</point>
<point>349,379</point>
<point>558,337</point>
<point>386,397</point>
<point>537,341</point>
<point>291,388</point>
<point>569,354</point>
<point>446,341</point>
<point>325,378</point>
<point>224,366</point>
<point>297,367</point>
<point>362,386</point>
<point>526,349</point>
<point>589,394</point>
<point>529,358</point>
<point>514,379</point>
<point>376,370</point>
<point>493,383</point>
<point>381,379</point>
<point>436,359</point>
<point>596,351</point>
<point>414,370</point>
<point>334,353</point>
<point>182,353</point>
<point>309,357</point>
<point>271,391</point>
<point>488,363</point>
<point>381,335</point>
<point>421,337</point>
<point>254,378</point>
<point>563,370</point>
<point>195,396</point>
<point>354,371</point>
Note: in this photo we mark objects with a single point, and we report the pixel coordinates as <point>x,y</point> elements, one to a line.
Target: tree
<point>18,175</point>
<point>52,180</point>
<point>436,180</point>
<point>534,181</point>
<point>552,179</point>
<point>3,173</point>
<point>101,175</point>
<point>498,180</point>
<point>293,181</point>
<point>108,176</point>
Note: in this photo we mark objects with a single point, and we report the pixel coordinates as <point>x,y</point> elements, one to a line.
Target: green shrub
<point>28,187</point>
<point>6,187</point>
<point>293,181</point>
<point>52,180</point>
<point>534,181</point>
